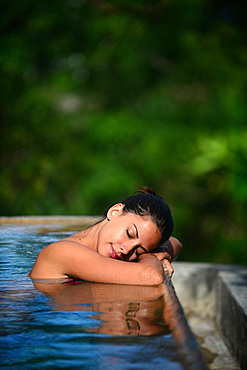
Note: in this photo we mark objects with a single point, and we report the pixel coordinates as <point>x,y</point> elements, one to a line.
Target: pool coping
<point>216,293</point>
<point>41,220</point>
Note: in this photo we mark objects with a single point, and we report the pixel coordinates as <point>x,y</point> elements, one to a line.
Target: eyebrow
<point>137,235</point>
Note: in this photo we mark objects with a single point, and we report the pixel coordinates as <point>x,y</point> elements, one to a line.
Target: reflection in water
<point>122,310</point>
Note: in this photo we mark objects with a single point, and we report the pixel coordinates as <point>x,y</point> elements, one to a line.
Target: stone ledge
<point>216,295</point>
<point>68,220</point>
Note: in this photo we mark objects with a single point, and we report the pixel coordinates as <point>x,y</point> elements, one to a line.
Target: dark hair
<point>148,203</point>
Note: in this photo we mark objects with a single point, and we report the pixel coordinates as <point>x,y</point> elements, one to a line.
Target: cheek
<point>119,234</point>
<point>115,234</point>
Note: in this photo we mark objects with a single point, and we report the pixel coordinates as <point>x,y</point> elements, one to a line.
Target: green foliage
<point>99,97</point>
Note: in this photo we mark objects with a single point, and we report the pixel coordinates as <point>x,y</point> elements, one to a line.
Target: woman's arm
<point>173,248</point>
<point>65,259</point>
<point>168,252</point>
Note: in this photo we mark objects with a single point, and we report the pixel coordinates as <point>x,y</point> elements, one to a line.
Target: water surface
<point>75,325</point>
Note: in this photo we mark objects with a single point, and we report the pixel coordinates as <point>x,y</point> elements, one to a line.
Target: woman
<point>105,252</point>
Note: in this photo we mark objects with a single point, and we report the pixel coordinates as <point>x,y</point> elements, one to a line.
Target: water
<point>75,325</point>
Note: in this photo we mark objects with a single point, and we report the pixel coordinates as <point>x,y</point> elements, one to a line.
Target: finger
<point>162,255</point>
<point>171,272</point>
<point>168,267</point>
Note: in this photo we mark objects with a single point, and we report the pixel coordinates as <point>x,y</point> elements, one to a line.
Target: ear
<point>115,210</point>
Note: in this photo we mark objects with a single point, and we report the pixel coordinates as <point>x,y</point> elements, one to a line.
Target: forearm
<point>88,265</point>
<point>152,270</point>
<point>174,248</point>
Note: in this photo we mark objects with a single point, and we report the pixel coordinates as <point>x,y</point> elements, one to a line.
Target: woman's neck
<point>90,236</point>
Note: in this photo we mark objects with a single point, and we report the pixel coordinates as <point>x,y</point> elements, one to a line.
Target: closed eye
<point>133,233</point>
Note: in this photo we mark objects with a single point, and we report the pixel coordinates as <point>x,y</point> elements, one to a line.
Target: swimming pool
<point>76,325</point>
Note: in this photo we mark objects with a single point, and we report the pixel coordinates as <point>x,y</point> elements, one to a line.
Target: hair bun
<point>146,190</point>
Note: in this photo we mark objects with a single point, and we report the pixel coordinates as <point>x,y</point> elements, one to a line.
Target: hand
<point>167,267</point>
<point>165,259</point>
<point>161,253</point>
<point>172,246</point>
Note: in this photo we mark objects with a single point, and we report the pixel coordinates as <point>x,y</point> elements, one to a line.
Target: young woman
<point>105,252</point>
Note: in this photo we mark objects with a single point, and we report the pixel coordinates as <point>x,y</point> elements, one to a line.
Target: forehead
<point>148,232</point>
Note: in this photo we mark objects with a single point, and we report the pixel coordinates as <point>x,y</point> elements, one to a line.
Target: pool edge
<point>218,293</point>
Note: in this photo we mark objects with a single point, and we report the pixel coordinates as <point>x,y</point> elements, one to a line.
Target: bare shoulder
<point>53,260</point>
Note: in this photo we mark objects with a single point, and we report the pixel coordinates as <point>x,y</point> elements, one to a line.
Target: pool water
<point>75,325</point>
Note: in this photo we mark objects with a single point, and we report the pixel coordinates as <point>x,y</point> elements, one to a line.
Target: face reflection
<point>126,235</point>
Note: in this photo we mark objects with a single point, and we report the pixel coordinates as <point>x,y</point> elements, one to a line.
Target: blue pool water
<point>75,325</point>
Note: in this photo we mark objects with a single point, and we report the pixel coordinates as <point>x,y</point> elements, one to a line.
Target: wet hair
<point>147,203</point>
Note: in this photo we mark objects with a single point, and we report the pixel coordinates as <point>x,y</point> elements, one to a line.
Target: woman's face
<point>125,233</point>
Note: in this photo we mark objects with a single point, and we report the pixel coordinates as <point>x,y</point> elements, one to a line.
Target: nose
<point>127,248</point>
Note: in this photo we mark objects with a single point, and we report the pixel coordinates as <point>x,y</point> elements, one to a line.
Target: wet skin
<point>97,254</point>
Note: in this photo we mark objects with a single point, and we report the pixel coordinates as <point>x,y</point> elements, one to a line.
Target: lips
<point>113,253</point>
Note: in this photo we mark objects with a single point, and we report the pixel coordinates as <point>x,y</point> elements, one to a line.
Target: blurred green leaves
<point>98,97</point>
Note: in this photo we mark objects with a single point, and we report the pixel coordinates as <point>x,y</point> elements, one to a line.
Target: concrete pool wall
<point>214,298</point>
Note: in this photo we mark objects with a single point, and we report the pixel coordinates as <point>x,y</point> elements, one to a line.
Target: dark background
<point>100,96</point>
